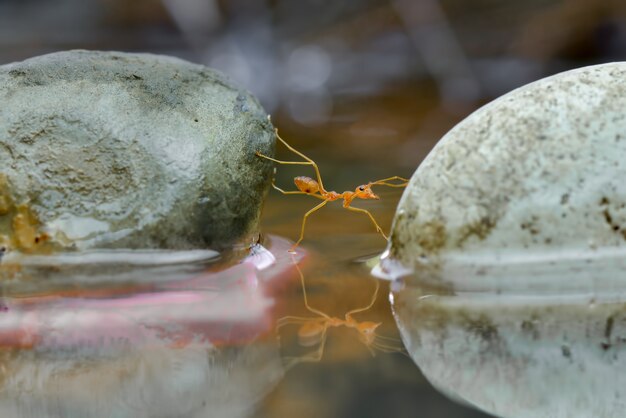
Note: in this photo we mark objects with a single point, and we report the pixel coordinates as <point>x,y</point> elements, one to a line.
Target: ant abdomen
<point>306,184</point>
<point>311,333</point>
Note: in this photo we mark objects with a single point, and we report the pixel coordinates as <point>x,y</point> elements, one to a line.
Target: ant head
<point>364,191</point>
<point>367,330</point>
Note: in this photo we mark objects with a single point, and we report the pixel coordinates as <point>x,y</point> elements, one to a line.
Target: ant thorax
<point>333,195</point>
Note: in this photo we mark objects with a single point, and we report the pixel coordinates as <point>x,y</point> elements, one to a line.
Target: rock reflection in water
<point>548,342</point>
<point>192,347</point>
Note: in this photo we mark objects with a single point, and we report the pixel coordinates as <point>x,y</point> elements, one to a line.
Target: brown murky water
<point>161,334</point>
<point>348,380</point>
<point>195,336</point>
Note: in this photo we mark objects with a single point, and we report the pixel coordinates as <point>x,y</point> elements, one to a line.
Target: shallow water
<point>200,339</point>
<point>348,380</point>
<point>191,334</point>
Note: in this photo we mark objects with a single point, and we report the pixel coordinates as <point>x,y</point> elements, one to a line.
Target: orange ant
<point>311,187</point>
<point>314,330</point>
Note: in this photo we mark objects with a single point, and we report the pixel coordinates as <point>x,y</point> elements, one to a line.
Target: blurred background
<point>362,74</point>
<point>364,87</point>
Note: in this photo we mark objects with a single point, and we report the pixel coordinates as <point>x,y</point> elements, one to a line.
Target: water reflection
<point>312,331</point>
<point>198,344</point>
<point>536,335</point>
<point>195,336</point>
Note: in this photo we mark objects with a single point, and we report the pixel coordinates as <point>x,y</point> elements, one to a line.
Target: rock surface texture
<point>112,150</point>
<point>540,168</point>
<point>509,246</point>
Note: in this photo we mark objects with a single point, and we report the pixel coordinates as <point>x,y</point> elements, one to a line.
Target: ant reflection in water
<point>313,330</point>
<point>315,188</point>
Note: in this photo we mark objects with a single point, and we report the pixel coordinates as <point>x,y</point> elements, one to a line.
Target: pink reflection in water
<point>215,307</point>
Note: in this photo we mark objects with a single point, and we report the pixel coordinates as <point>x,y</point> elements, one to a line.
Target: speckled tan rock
<point>541,167</point>
<point>109,149</point>
<point>509,250</point>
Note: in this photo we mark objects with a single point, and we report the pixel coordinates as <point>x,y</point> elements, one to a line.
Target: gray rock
<point>108,149</point>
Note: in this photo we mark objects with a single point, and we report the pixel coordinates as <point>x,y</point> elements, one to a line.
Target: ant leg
<point>307,162</point>
<point>371,350</point>
<point>295,191</point>
<point>314,357</point>
<point>374,297</point>
<point>306,215</point>
<point>306,299</point>
<point>386,348</point>
<point>389,184</point>
<point>258,154</point>
<point>317,355</point>
<point>293,320</point>
<point>310,161</point>
<point>286,192</point>
<point>378,228</point>
<point>394,178</point>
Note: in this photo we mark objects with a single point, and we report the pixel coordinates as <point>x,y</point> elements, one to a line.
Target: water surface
<point>194,334</point>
